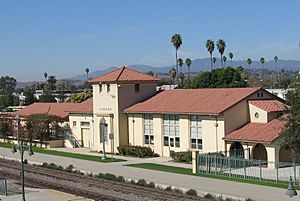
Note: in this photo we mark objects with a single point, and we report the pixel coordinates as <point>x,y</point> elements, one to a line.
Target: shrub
<point>151,185</point>
<point>177,190</point>
<point>69,168</point>
<point>52,166</point>
<point>111,177</point>
<point>136,151</point>
<point>141,182</point>
<point>100,175</point>
<point>249,199</point>
<point>132,181</point>
<point>60,168</point>
<point>44,164</point>
<point>169,188</point>
<point>182,157</point>
<point>209,196</point>
<point>121,179</point>
<point>191,192</point>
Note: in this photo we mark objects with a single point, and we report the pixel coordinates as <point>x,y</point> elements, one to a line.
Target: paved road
<point>202,185</point>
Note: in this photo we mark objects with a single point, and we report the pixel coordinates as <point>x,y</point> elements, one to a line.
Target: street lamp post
<point>21,147</point>
<point>102,126</point>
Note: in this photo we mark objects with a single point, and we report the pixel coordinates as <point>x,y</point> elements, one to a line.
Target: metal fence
<point>236,167</point>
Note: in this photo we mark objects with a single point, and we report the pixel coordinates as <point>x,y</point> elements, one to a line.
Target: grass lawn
<point>67,154</point>
<point>188,171</point>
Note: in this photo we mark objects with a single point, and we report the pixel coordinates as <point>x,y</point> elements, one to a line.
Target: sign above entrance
<point>105,109</point>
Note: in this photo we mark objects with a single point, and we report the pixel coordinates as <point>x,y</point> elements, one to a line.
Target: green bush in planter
<point>182,157</point>
<point>136,151</point>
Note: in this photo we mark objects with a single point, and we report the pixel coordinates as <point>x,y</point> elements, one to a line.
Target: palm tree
<point>172,74</point>
<point>276,60</point>
<point>262,61</point>
<point>249,61</point>
<point>180,63</point>
<point>182,78</point>
<point>230,56</point>
<point>188,62</point>
<point>210,46</point>
<point>224,59</point>
<point>221,45</point>
<point>87,70</point>
<point>214,61</point>
<point>177,42</point>
<point>45,75</point>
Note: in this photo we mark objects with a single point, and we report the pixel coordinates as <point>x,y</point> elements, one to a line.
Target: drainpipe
<point>133,121</point>
<point>216,125</point>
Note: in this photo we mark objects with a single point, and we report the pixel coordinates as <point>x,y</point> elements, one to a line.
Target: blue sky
<point>62,37</point>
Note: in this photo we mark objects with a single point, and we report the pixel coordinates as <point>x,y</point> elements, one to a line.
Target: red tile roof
<point>124,74</point>
<point>55,109</point>
<point>269,105</point>
<point>84,107</point>
<point>199,101</point>
<point>258,132</point>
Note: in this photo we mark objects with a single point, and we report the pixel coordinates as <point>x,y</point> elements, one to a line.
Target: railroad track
<point>90,187</point>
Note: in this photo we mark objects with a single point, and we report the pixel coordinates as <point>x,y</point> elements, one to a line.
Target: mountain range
<point>200,65</point>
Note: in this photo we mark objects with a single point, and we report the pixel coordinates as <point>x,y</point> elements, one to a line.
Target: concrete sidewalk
<point>201,184</point>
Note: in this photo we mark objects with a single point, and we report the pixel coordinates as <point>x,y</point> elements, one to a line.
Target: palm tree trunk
<point>222,60</point>
<point>177,74</point>
<point>231,62</point>
<point>262,72</point>
<point>211,62</point>
<point>189,74</point>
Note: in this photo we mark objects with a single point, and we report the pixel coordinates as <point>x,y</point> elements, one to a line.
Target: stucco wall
<point>262,115</point>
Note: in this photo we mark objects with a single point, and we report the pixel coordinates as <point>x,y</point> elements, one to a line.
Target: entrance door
<point>85,137</point>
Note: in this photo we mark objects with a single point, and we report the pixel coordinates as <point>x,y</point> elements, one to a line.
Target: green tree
<point>276,62</point>
<point>219,78</point>
<point>172,74</point>
<point>230,55</point>
<point>45,75</point>
<point>80,97</point>
<point>210,46</point>
<point>176,40</point>
<point>47,97</point>
<point>291,132</point>
<point>249,61</point>
<point>29,95</point>
<point>224,59</point>
<point>180,63</point>
<point>7,87</point>
<point>262,61</point>
<point>51,83</point>
<point>221,45</point>
<point>214,61</point>
<point>188,62</point>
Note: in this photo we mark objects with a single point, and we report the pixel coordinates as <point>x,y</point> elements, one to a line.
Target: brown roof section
<point>84,107</point>
<point>269,105</point>
<point>258,132</point>
<point>54,109</point>
<point>124,74</point>
<point>198,101</point>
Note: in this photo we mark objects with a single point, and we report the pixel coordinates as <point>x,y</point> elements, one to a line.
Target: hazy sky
<point>63,37</point>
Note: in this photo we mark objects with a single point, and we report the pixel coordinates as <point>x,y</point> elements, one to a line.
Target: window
<point>108,88</point>
<point>100,88</point>
<point>196,132</point>
<point>258,95</point>
<point>137,88</point>
<point>261,94</point>
<point>85,123</point>
<point>171,130</point>
<point>256,115</point>
<point>74,123</point>
<point>148,129</point>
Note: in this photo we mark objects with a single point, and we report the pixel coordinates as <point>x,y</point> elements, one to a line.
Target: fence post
<point>216,164</point>
<point>294,166</point>
<point>260,173</point>
<point>195,161</point>
<point>206,162</point>
<point>277,167</point>
<point>229,166</point>
<point>245,173</point>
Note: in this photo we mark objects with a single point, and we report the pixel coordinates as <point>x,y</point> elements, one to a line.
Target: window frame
<point>148,129</point>
<point>137,88</point>
<point>171,130</point>
<point>196,139</point>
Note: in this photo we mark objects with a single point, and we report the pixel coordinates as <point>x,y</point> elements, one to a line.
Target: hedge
<point>136,151</point>
<point>182,157</point>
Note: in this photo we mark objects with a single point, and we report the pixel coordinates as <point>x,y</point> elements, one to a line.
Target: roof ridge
<point>123,68</point>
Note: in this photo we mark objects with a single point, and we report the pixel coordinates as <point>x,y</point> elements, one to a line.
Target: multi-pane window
<point>196,132</point>
<point>171,130</point>
<point>148,129</point>
<point>85,123</point>
<point>74,123</point>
